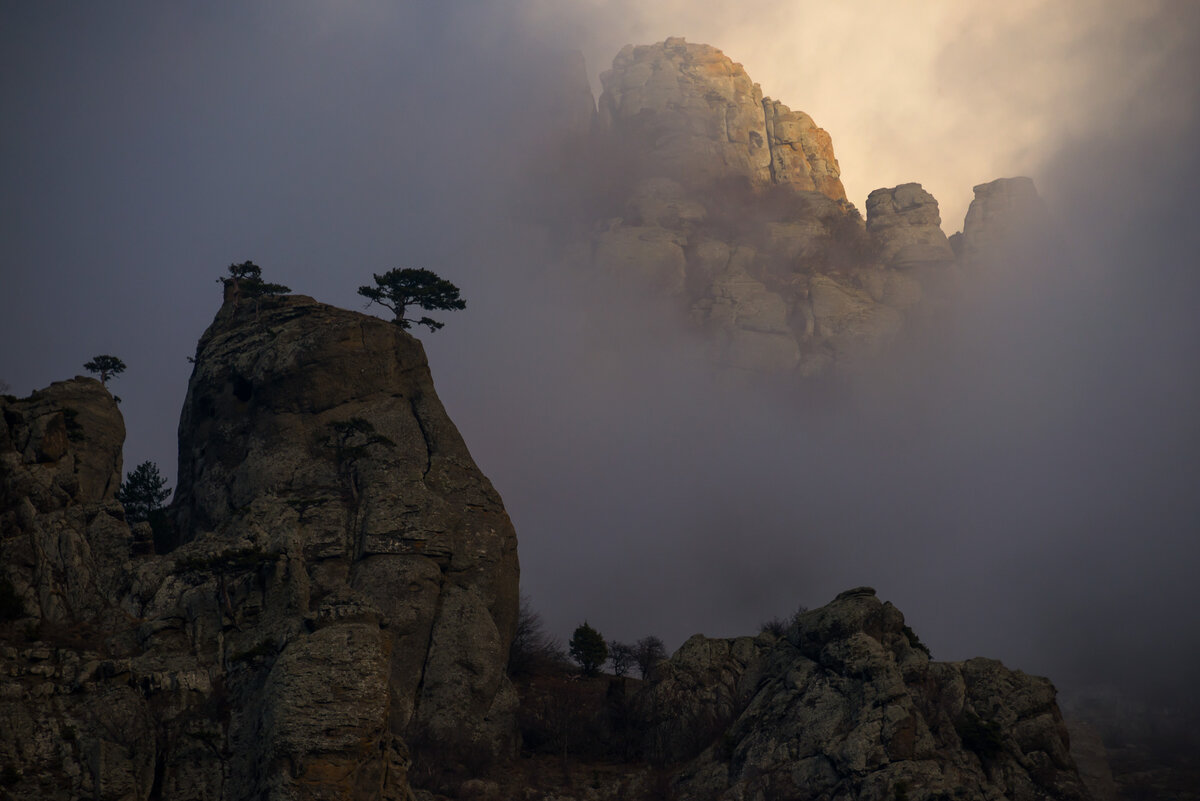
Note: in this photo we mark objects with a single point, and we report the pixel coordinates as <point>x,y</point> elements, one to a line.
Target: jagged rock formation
<point>60,467</point>
<point>734,208</point>
<point>849,705</point>
<point>731,205</point>
<point>343,596</point>
<point>346,587</point>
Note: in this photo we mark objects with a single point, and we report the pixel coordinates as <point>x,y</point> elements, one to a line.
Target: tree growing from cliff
<point>143,492</point>
<point>399,289</point>
<point>106,367</point>
<point>247,277</point>
<point>588,649</point>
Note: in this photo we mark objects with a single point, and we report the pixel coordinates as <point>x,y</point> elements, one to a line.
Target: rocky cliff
<point>338,591</point>
<point>693,114</point>
<point>842,702</point>
<point>344,591</point>
<point>848,704</point>
<point>730,205</point>
<point>341,599</point>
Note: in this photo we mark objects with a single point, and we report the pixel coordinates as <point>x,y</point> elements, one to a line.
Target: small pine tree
<point>106,367</point>
<point>399,289</point>
<point>143,492</point>
<point>247,276</point>
<point>588,649</point>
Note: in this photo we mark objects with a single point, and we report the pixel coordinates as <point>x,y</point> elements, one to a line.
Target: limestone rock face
<point>691,110</point>
<point>1002,209</point>
<point>345,589</point>
<point>848,705</point>
<point>731,205</point>
<point>65,542</point>
<point>694,114</point>
<point>318,433</point>
<point>801,153</point>
<point>647,255</point>
<point>905,224</point>
<point>703,688</point>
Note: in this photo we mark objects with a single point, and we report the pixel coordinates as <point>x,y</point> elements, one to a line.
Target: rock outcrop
<point>801,153</point>
<point>1002,209</point>
<point>66,544</point>
<point>905,223</point>
<point>730,205</point>
<point>847,705</point>
<point>342,599</point>
<point>344,593</point>
<point>695,115</point>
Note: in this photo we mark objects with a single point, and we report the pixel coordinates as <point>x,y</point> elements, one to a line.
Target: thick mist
<point>1022,483</point>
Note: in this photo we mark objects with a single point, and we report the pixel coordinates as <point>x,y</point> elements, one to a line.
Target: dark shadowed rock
<point>848,705</point>
<point>316,434</point>
<point>64,538</point>
<point>345,584</point>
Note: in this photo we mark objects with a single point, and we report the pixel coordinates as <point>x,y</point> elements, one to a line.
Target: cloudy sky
<point>1026,491</point>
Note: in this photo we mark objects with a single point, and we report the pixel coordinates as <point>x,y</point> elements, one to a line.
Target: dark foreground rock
<point>344,591</point>
<point>848,705</point>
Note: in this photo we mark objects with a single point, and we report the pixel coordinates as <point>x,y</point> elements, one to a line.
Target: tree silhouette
<point>533,651</point>
<point>623,656</point>
<point>399,289</point>
<point>588,649</point>
<point>247,278</point>
<point>649,652</point>
<point>106,367</point>
<point>143,492</point>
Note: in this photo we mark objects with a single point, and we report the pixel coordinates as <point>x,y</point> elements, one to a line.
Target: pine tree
<point>143,492</point>
<point>248,277</point>
<point>106,367</point>
<point>399,289</point>
<point>588,649</point>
